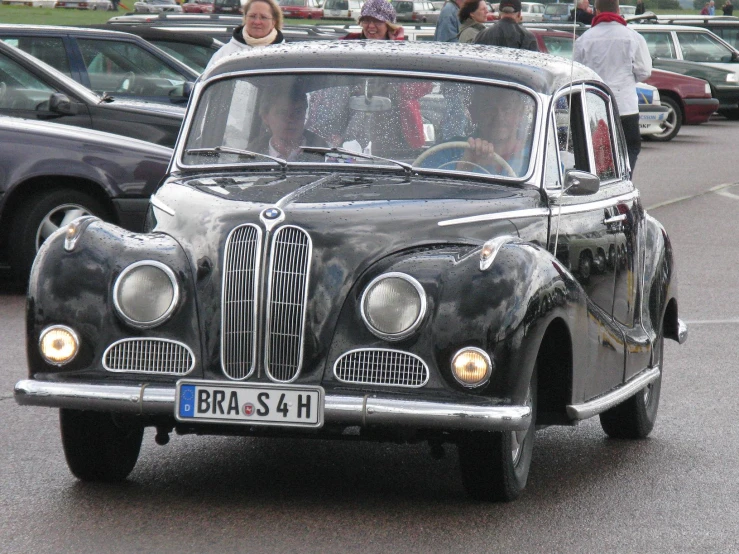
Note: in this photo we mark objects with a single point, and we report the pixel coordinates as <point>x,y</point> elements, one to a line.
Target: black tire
<point>673,122</point>
<point>634,418</point>
<point>732,114</point>
<point>495,465</point>
<point>27,233</point>
<point>98,448</point>
<point>585,265</point>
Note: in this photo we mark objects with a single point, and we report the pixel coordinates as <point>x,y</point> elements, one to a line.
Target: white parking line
<point>711,321</point>
<point>718,189</point>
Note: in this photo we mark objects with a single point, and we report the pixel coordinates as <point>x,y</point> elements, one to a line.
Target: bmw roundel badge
<point>271,213</point>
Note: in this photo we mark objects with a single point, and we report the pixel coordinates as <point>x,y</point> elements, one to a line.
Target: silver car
<point>416,12</point>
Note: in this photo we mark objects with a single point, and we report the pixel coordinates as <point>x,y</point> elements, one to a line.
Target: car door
<point>26,93</point>
<point>595,236</point>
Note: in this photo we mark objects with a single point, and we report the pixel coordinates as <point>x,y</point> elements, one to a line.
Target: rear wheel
<point>634,418</point>
<point>41,216</point>
<point>673,122</point>
<point>732,114</point>
<point>97,447</point>
<point>495,465</point>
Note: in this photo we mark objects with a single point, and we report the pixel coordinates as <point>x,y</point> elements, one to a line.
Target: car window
<point>601,136</point>
<point>417,121</point>
<point>559,46</point>
<point>660,45</point>
<point>556,9</point>
<point>730,35</point>
<point>50,50</point>
<point>193,55</point>
<point>126,69</point>
<point>552,165</point>
<point>702,47</point>
<point>571,138</point>
<point>20,89</point>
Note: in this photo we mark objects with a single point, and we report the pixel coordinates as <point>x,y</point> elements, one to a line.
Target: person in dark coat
<point>583,14</point>
<point>639,7</point>
<point>728,8</point>
<point>507,31</point>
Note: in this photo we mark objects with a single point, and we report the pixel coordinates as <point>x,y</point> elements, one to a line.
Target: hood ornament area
<point>271,217</point>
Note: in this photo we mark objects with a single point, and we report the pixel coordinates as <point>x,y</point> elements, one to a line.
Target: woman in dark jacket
<point>472,15</point>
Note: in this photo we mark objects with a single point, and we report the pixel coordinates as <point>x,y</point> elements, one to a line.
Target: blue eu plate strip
<point>187,401</point>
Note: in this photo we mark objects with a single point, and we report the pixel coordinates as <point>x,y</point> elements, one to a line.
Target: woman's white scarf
<point>251,41</point>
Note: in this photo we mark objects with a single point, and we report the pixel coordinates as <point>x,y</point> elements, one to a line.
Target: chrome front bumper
<point>351,410</point>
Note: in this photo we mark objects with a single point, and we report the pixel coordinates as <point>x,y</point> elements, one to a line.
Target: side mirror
<point>175,98</point>
<point>581,183</point>
<point>61,104</point>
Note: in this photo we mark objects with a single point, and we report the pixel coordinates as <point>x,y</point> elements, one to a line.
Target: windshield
<point>430,124</point>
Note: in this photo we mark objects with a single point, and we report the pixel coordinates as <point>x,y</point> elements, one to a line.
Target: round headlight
<point>393,305</point>
<point>146,293</point>
<point>472,367</point>
<point>58,344</point>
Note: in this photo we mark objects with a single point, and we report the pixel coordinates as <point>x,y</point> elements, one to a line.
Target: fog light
<point>472,367</point>
<point>59,344</point>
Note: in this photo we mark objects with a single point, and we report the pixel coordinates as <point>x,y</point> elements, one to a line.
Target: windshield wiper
<point>408,168</point>
<point>228,150</point>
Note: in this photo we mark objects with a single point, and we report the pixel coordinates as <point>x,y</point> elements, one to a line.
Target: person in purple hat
<point>377,19</point>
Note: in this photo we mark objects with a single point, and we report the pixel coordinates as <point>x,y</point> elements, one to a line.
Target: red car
<point>688,99</point>
<point>198,6</point>
<point>301,9</point>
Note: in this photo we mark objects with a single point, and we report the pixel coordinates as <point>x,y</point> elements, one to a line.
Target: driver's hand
<point>480,152</point>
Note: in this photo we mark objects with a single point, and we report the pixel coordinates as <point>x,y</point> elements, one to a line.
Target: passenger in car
<point>283,131</point>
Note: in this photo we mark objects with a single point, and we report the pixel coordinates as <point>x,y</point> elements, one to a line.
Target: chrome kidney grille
<point>286,299</point>
<point>379,366</point>
<point>286,288</point>
<point>161,356</point>
<point>238,301</point>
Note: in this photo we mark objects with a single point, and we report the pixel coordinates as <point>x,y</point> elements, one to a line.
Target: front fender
<point>56,297</point>
<point>659,308</point>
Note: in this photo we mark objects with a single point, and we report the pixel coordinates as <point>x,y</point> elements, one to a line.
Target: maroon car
<point>301,9</point>
<point>198,6</point>
<point>688,99</point>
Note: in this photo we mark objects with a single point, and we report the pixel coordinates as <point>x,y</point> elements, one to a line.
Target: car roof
<point>176,34</point>
<point>540,72</point>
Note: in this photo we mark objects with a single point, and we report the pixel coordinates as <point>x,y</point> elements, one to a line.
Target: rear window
<point>403,6</point>
<point>556,9</point>
<point>336,5</point>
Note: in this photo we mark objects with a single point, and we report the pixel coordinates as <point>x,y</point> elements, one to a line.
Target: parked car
<point>198,6</point>
<point>726,27</point>
<point>256,304</point>
<point>626,10</point>
<point>33,90</point>
<point>157,6</point>
<point>50,174</point>
<point>724,84</point>
<point>685,99</point>
<point>104,5</point>
<point>532,11</point>
<point>652,115</point>
<point>106,61</point>
<point>179,19</point>
<point>555,13</point>
<point>415,11</point>
<point>227,6</point>
<point>190,47</point>
<point>342,9</point>
<point>302,9</point>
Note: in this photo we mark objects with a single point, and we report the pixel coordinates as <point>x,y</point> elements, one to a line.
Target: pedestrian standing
<point>447,27</point>
<point>621,57</point>
<point>507,31</point>
<point>711,8</point>
<point>472,15</point>
<point>728,8</point>
<point>639,7</point>
<point>583,13</point>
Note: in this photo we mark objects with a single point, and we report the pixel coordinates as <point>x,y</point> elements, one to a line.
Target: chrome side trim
<point>682,331</point>
<point>518,214</point>
<point>161,206</point>
<point>616,396</point>
<point>564,209</point>
<point>350,410</point>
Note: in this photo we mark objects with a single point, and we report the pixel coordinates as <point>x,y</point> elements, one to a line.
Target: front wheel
<point>495,465</point>
<point>634,418</point>
<point>97,447</point>
<point>673,122</point>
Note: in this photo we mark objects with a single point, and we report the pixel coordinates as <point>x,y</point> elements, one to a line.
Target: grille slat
<point>238,319</point>
<point>160,356</point>
<point>381,367</point>
<point>288,282</point>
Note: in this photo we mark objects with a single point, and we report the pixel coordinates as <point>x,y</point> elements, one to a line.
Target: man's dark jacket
<point>507,32</point>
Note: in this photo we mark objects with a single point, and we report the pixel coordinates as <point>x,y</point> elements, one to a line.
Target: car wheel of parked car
<point>97,447</point>
<point>673,121</point>
<point>732,115</point>
<point>495,465</point>
<point>43,215</point>
<point>634,418</point>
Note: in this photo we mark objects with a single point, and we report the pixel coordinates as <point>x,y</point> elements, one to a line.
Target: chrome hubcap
<point>59,217</point>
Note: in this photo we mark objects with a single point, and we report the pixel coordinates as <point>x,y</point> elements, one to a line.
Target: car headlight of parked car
<point>393,306</point>
<point>732,78</point>
<point>146,293</point>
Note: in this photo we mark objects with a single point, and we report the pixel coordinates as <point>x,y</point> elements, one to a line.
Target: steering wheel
<point>463,144</point>
<point>3,89</point>
<point>127,82</point>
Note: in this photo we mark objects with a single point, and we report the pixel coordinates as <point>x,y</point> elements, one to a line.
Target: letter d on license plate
<point>249,404</point>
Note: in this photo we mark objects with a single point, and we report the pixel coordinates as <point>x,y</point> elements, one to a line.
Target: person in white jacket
<point>621,57</point>
<point>262,27</point>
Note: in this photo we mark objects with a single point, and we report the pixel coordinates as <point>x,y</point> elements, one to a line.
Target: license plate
<point>249,404</point>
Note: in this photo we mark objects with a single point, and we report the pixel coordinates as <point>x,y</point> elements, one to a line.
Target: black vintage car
<point>51,174</point>
<point>367,240</point>
<point>29,88</point>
